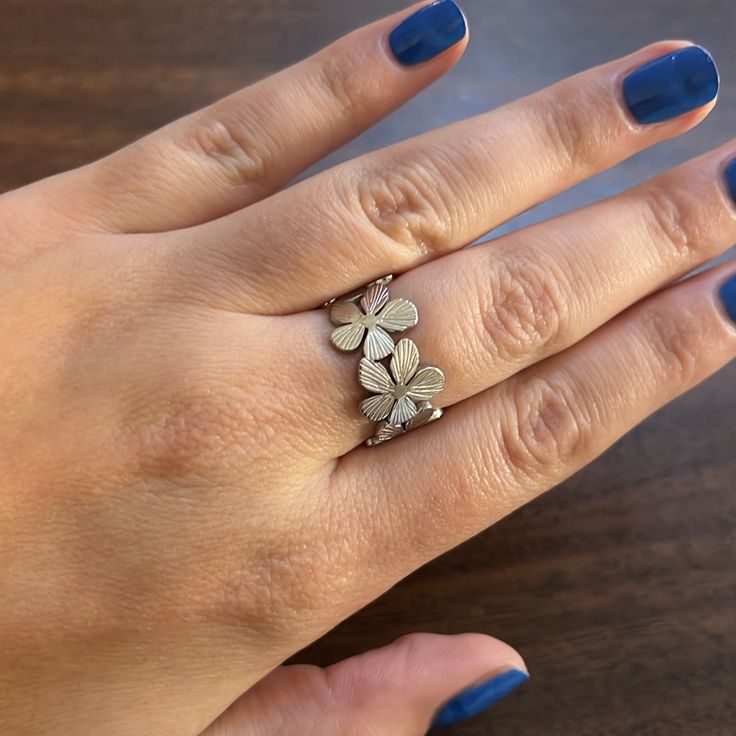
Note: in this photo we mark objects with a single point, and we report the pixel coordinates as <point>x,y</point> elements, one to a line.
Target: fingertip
<point>489,652</point>
<point>474,700</point>
<point>428,33</point>
<point>500,671</point>
<point>725,290</point>
<point>669,81</point>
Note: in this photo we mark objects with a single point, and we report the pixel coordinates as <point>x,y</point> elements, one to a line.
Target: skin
<point>186,500</point>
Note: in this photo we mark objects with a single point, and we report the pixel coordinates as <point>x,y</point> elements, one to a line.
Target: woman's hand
<point>186,499</point>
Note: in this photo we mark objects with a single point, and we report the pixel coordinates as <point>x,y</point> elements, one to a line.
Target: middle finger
<point>391,210</point>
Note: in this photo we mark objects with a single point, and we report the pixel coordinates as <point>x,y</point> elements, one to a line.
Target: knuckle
<point>292,581</point>
<point>235,150</point>
<point>674,342</point>
<point>194,429</point>
<point>668,220</point>
<point>568,131</point>
<point>547,428</point>
<point>196,417</point>
<point>271,585</point>
<point>523,309</point>
<point>406,206</point>
<point>408,649</point>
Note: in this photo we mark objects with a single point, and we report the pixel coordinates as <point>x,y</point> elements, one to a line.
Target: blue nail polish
<point>727,292</point>
<point>671,85</point>
<point>475,699</point>
<point>729,174</point>
<point>427,33</point>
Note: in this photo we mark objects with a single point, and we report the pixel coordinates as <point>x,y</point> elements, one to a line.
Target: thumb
<point>401,689</point>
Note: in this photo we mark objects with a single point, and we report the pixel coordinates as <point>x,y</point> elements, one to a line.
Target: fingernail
<point>475,699</point>
<point>729,174</point>
<point>427,33</point>
<point>671,85</point>
<point>727,292</point>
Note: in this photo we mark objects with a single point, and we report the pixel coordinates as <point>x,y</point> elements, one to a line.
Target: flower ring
<point>403,392</point>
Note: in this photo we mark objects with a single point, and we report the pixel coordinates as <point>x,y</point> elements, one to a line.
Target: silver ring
<point>402,391</point>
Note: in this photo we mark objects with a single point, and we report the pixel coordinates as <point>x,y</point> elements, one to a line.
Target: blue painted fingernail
<point>475,699</point>
<point>727,292</point>
<point>671,85</point>
<point>729,174</point>
<point>427,33</point>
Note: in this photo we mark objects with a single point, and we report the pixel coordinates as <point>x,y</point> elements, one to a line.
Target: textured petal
<point>348,337</point>
<point>386,431</point>
<point>377,407</point>
<point>378,344</point>
<point>403,410</point>
<point>404,361</point>
<point>422,417</point>
<point>398,315</point>
<point>343,313</point>
<point>376,295</point>
<point>428,382</point>
<point>374,377</point>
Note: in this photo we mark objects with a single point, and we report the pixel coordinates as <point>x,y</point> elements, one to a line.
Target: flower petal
<point>376,295</point>
<point>422,417</point>
<point>403,410</point>
<point>428,382</point>
<point>344,313</point>
<point>377,407</point>
<point>386,431</point>
<point>398,315</point>
<point>404,361</point>
<point>378,344</point>
<point>348,337</point>
<point>374,377</point>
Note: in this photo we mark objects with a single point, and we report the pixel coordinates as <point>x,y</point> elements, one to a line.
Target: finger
<point>528,434</point>
<point>395,691</point>
<point>251,143</point>
<point>391,210</point>
<point>491,311</point>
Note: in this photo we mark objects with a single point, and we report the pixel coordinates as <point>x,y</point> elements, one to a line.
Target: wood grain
<point>619,586</point>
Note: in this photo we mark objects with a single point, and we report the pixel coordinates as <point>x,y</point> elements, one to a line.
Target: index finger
<point>246,146</point>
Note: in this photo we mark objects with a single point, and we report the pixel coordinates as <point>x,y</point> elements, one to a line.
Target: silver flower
<point>374,318</point>
<point>398,392</point>
<point>387,431</point>
<point>426,414</point>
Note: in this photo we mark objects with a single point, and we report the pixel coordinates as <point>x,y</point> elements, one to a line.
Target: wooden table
<point>619,586</point>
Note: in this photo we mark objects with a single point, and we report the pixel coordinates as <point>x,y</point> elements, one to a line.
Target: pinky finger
<point>522,437</point>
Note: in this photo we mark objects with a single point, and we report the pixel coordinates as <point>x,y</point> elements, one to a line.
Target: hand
<point>186,500</point>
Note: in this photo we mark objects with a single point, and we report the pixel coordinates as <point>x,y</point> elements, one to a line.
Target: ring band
<point>402,391</point>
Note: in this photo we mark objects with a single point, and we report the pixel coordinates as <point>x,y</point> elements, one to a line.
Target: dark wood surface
<point>619,586</point>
